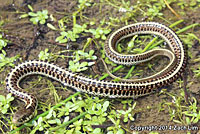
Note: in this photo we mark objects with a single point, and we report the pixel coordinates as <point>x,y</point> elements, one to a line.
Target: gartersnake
<point>123,89</point>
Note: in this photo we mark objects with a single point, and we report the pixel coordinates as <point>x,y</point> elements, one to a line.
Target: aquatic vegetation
<point>5,103</point>
<point>38,17</point>
<point>179,111</point>
<point>76,66</point>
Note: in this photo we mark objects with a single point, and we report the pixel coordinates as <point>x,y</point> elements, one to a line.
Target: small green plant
<point>197,72</point>
<point>38,17</point>
<point>117,115</point>
<point>179,112</point>
<point>88,56</point>
<point>92,110</point>
<point>127,114</point>
<point>65,36</point>
<point>71,35</point>
<point>99,32</point>
<point>96,114</point>
<point>154,11</point>
<point>5,102</point>
<point>3,42</point>
<point>85,3</point>
<point>127,103</point>
<point>193,112</point>
<point>44,55</point>
<point>183,4</point>
<point>189,38</point>
<point>5,61</point>
<point>115,118</point>
<point>76,66</point>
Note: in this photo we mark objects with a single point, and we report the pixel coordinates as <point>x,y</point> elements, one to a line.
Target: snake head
<point>23,115</point>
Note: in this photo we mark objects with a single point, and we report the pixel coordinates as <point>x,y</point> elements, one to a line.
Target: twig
<point>172,10</point>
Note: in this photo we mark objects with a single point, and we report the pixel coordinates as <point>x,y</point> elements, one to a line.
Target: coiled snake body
<point>123,89</point>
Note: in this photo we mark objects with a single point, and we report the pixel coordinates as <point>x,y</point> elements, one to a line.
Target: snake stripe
<point>122,89</point>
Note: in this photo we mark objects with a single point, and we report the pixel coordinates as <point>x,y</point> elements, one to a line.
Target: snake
<point>105,88</point>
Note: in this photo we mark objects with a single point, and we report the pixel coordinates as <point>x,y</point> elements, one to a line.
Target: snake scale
<point>112,89</point>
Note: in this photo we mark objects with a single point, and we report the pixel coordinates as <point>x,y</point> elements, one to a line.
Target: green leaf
<point>44,54</point>
<point>34,20</point>
<point>59,38</point>
<point>105,105</point>
<point>91,111</point>
<point>103,37</point>
<point>93,31</point>
<point>97,131</point>
<point>41,128</point>
<point>78,123</point>
<point>94,57</point>
<point>110,132</point>
<point>91,63</point>
<point>97,36</point>
<point>120,131</point>
<point>91,52</point>
<point>42,21</point>
<point>88,128</point>
<point>177,121</point>
<point>2,98</point>
<point>52,121</point>
<point>82,53</point>
<point>98,106</point>
<point>66,119</point>
<point>126,119</point>
<point>3,111</point>
<point>8,96</point>
<point>72,36</point>
<point>92,22</point>
<point>62,38</point>
<point>100,31</point>
<point>196,120</point>
<point>88,116</point>
<point>3,43</point>
<point>7,106</point>
<point>10,99</point>
<point>112,119</point>
<point>45,12</point>
<point>24,15</point>
<point>51,26</point>
<point>130,117</point>
<point>188,120</point>
<point>106,31</point>
<point>40,120</point>
<point>49,114</point>
<point>32,14</point>
<point>30,7</point>
<point>71,63</point>
<point>78,28</point>
<point>83,64</point>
